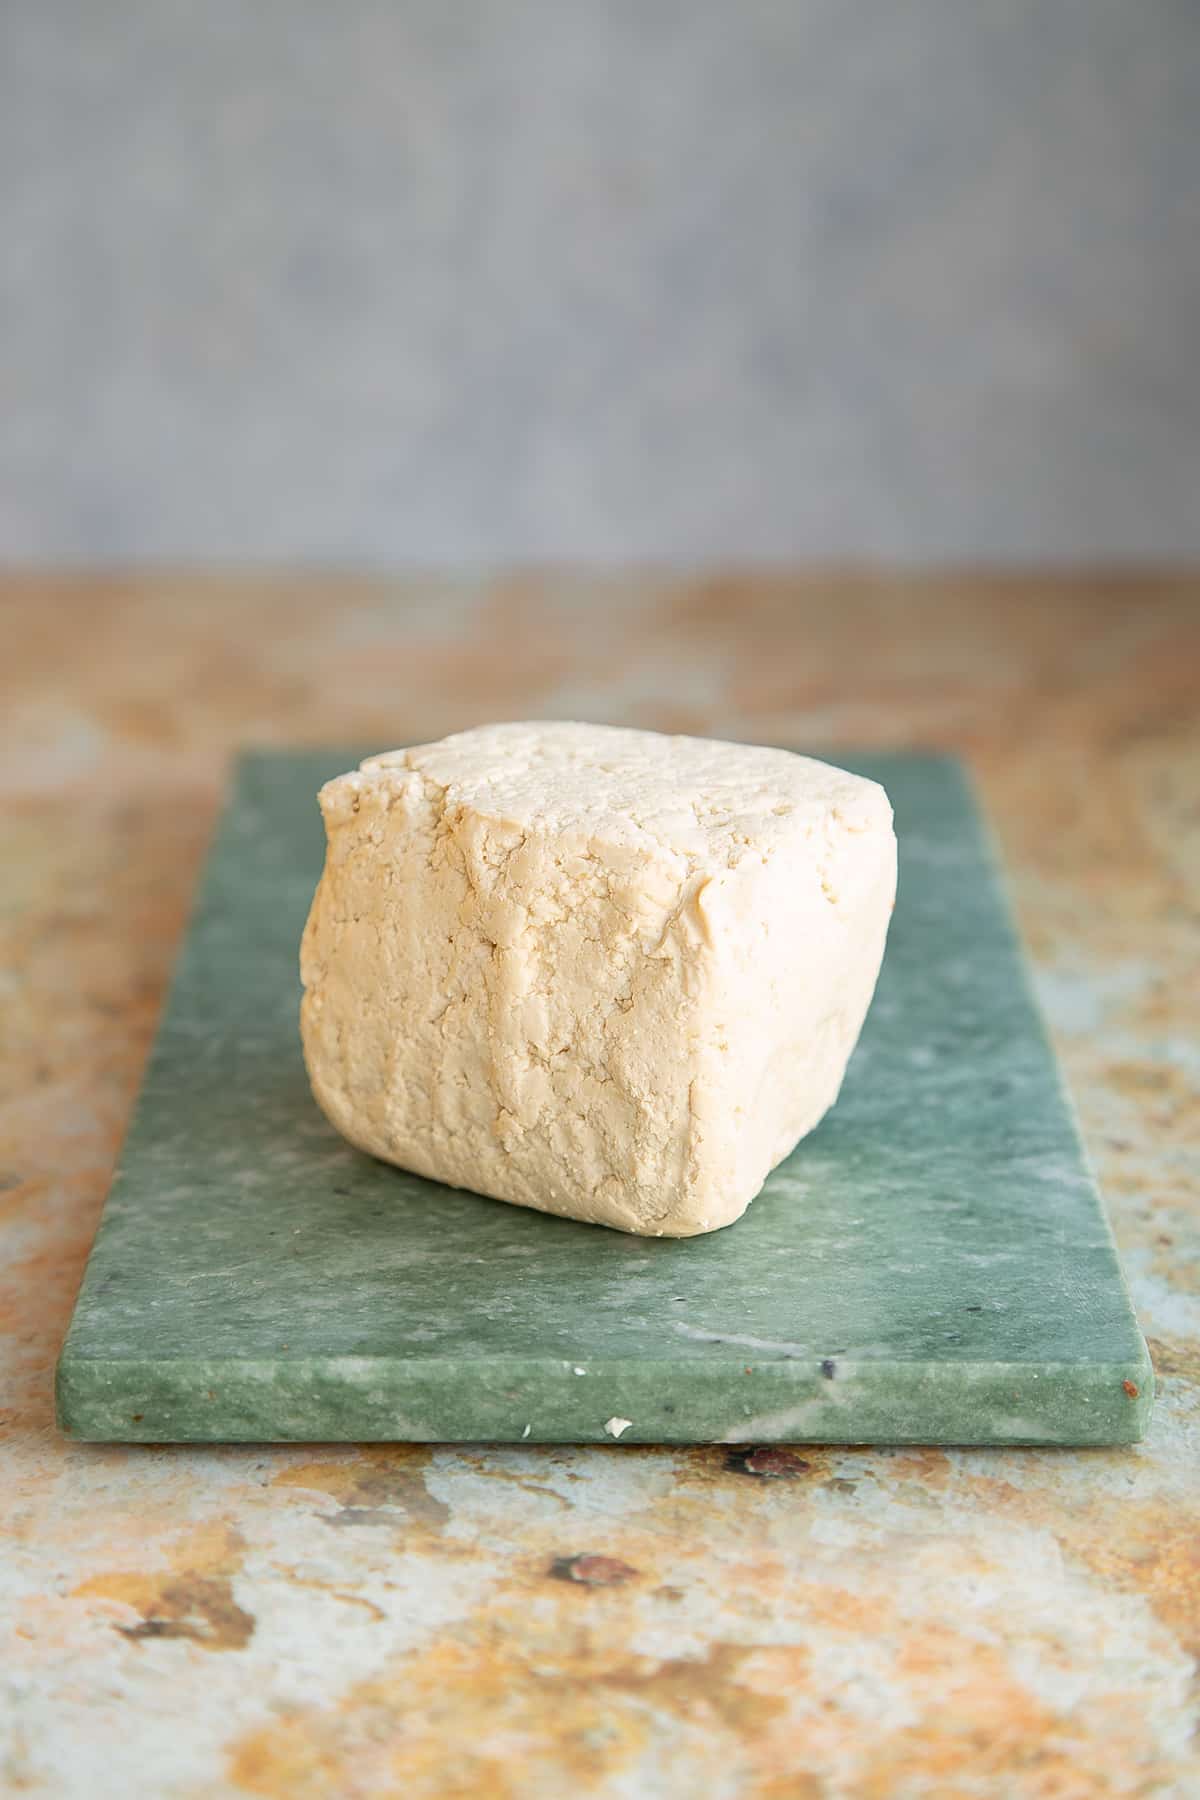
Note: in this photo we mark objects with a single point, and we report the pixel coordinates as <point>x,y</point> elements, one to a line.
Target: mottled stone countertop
<point>621,1622</point>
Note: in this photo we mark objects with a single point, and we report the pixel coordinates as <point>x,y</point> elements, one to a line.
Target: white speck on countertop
<point>615,1426</point>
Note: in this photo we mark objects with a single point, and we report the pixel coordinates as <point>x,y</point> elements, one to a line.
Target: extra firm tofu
<point>603,973</point>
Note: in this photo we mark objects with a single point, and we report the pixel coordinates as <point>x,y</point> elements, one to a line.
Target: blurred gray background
<point>450,281</point>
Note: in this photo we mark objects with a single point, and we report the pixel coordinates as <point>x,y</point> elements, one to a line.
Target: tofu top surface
<point>707,801</point>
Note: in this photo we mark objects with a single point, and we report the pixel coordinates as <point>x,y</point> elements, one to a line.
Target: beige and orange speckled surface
<point>468,1622</point>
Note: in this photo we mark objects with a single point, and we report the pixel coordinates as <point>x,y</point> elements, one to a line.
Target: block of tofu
<point>604,973</point>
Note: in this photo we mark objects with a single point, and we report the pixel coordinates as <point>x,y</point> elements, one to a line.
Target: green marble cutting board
<point>932,1265</point>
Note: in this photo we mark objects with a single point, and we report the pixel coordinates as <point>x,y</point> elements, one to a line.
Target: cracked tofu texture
<point>604,973</point>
